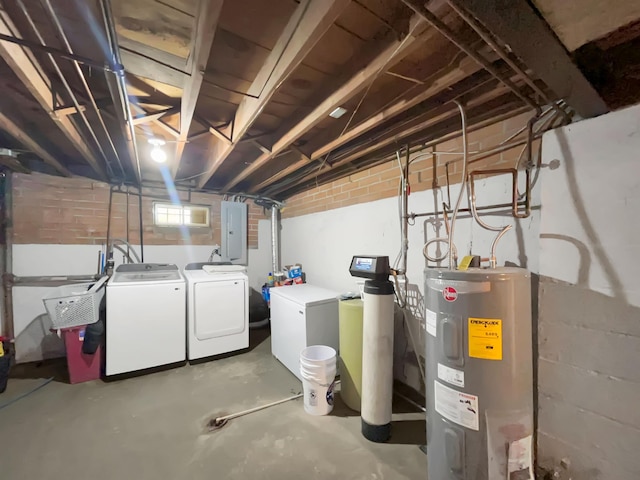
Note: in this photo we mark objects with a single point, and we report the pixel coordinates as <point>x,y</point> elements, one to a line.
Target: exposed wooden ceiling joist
<point>206,22</point>
<point>433,117</point>
<point>445,130</point>
<point>18,129</point>
<point>148,67</point>
<point>31,74</point>
<point>307,25</point>
<point>441,83</point>
<point>152,117</point>
<point>518,25</point>
<point>389,56</point>
<point>13,163</point>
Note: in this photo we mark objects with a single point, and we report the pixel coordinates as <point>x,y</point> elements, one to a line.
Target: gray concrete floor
<point>155,427</point>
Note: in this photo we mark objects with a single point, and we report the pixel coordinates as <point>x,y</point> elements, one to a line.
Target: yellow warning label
<point>485,338</point>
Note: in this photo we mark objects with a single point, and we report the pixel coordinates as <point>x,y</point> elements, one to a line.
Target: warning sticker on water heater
<point>451,375</point>
<point>460,408</point>
<point>432,323</point>
<point>485,338</point>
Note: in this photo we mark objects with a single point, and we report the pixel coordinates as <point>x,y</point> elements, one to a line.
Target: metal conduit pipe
<point>141,226</point>
<point>466,210</point>
<point>107,17</point>
<point>275,239</point>
<point>474,212</point>
<point>85,84</point>
<point>418,7</point>
<point>66,85</point>
<point>465,148</point>
<point>56,51</point>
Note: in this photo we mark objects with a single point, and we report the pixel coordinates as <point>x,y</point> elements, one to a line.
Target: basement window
<point>169,215</point>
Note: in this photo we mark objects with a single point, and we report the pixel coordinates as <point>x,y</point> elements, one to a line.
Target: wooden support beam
<point>64,111</point>
<point>142,66</point>
<point>389,56</point>
<point>152,117</point>
<point>13,164</point>
<point>199,135</point>
<point>261,147</point>
<point>18,129</point>
<point>530,38</point>
<point>442,83</point>
<point>399,136</point>
<point>27,69</point>
<point>440,136</point>
<point>309,22</point>
<point>206,21</point>
<point>221,136</point>
<point>167,128</point>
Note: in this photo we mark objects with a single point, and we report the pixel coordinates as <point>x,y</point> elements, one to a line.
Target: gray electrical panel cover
<point>234,232</point>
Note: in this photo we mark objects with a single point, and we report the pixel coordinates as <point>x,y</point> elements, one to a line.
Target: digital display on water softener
<point>370,266</point>
<point>363,264</point>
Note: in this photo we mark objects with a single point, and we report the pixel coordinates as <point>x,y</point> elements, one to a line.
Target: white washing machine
<point>217,309</point>
<point>146,317</point>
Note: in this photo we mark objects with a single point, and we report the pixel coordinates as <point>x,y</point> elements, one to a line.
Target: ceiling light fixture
<point>158,155</point>
<point>338,112</point>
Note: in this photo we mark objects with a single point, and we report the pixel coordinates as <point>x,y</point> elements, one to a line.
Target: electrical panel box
<point>234,232</point>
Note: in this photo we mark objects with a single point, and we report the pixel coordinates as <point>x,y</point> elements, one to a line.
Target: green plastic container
<point>350,321</point>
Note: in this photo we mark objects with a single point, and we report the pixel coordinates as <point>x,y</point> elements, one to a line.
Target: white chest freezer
<point>302,315</point>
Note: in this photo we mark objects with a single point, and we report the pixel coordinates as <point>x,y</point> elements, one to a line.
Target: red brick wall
<point>57,210</point>
<point>382,181</point>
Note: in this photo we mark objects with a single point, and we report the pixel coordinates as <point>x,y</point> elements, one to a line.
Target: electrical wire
<point>26,394</point>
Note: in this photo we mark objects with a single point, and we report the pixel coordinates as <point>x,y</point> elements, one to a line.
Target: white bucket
<point>318,371</point>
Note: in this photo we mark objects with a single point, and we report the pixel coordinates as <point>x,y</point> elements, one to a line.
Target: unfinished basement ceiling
<point>241,91</point>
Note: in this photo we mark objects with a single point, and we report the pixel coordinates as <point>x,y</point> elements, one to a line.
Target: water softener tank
<point>479,384</point>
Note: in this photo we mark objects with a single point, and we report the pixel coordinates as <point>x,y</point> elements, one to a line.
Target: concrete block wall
<point>589,300</point>
<point>382,181</point>
<point>55,210</point>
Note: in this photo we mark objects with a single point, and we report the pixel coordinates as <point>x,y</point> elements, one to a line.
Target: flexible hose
<point>486,226</point>
<point>27,393</point>
<point>463,117</point>
<point>124,252</point>
<point>425,249</point>
<point>124,242</point>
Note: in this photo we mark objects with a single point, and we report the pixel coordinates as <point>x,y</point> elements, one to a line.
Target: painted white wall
<point>589,302</point>
<point>35,342</point>
<point>594,200</point>
<point>325,242</point>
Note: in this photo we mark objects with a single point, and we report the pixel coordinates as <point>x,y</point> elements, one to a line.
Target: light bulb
<point>158,155</point>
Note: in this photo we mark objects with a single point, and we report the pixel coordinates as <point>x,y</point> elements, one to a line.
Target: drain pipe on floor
<point>219,422</point>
